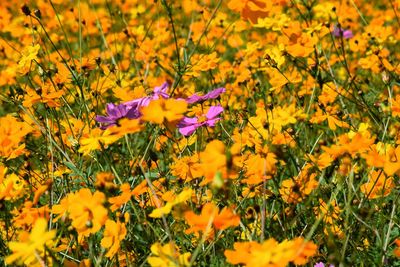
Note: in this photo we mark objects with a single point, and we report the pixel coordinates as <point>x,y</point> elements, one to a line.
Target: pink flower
<point>339,32</point>
<point>158,92</point>
<point>130,109</point>
<point>114,113</point>
<point>187,126</point>
<point>210,95</point>
<point>321,264</point>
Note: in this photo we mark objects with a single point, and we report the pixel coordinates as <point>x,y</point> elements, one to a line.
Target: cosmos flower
<point>321,264</point>
<point>339,32</point>
<point>187,126</point>
<point>210,95</point>
<point>116,112</point>
<point>130,109</point>
<point>158,92</point>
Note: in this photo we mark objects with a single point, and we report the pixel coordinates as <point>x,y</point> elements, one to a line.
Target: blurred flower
<point>339,32</point>
<point>159,110</point>
<point>203,63</point>
<point>114,233</point>
<point>187,126</point>
<point>28,55</point>
<point>167,255</point>
<point>213,161</point>
<point>251,10</point>
<point>182,197</point>
<point>11,186</point>
<point>271,253</point>
<point>378,185</point>
<point>396,251</point>
<point>31,246</point>
<point>321,264</point>
<point>211,216</point>
<point>12,134</point>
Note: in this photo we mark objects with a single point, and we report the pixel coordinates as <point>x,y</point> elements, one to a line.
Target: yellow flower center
<point>202,119</point>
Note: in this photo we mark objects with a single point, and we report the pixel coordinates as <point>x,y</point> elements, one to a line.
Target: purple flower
<point>321,264</point>
<point>187,125</point>
<point>130,109</point>
<point>158,92</point>
<point>116,112</point>
<point>210,95</point>
<point>161,91</point>
<point>339,32</point>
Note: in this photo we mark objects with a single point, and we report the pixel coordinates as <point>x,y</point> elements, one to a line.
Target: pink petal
<point>214,111</point>
<point>188,130</point>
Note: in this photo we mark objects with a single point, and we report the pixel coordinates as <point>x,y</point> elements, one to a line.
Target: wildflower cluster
<point>199,133</point>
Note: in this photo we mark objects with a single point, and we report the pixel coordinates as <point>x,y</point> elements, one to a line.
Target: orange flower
<point>260,167</point>
<point>168,255</point>
<point>47,93</point>
<point>30,249</point>
<point>126,126</point>
<point>114,233</point>
<point>296,189</point>
<point>271,253</point>
<point>124,197</point>
<point>379,185</point>
<point>392,162</point>
<point>28,55</point>
<point>95,139</point>
<point>85,209</point>
<point>396,251</point>
<point>395,106</point>
<point>105,180</point>
<point>187,168</point>
<point>12,133</point>
<point>182,197</point>
<point>329,115</point>
<point>11,186</point>
<point>300,44</point>
<point>160,110</point>
<point>203,63</point>
<point>213,161</point>
<point>330,215</point>
<point>251,9</point>
<point>209,217</point>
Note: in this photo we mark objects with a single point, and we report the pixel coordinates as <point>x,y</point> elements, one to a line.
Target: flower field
<point>200,133</point>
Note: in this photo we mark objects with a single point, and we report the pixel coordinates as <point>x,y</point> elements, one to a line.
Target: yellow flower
<point>204,63</point>
<point>271,253</point>
<point>126,126</point>
<point>167,256</point>
<point>213,161</point>
<point>95,139</point>
<point>29,54</point>
<point>379,185</point>
<point>11,186</point>
<point>159,110</point>
<point>12,133</point>
<point>85,209</point>
<point>31,247</point>
<point>185,195</point>
<point>114,233</point>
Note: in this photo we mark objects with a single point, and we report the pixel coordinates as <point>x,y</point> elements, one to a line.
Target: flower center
<point>202,119</point>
